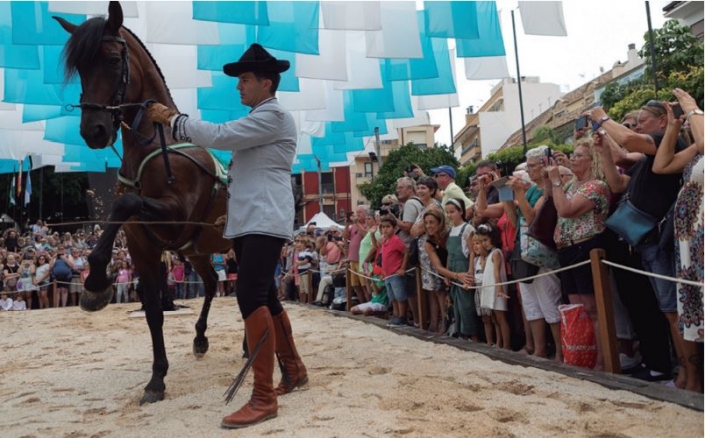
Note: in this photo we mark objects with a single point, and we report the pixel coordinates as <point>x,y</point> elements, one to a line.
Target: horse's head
<point>99,54</point>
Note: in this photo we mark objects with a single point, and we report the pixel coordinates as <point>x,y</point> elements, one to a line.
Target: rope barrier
<point>379,279</point>
<point>651,274</point>
<point>62,224</point>
<point>523,280</point>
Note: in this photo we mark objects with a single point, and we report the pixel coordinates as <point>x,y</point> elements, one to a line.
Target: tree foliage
<point>385,182</point>
<point>679,63</point>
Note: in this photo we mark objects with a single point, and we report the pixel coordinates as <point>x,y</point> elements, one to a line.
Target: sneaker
<point>650,375</point>
<point>397,322</point>
<point>629,364</point>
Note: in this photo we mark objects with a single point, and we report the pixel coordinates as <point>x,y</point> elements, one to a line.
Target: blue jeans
<point>396,288</point>
<point>658,261</point>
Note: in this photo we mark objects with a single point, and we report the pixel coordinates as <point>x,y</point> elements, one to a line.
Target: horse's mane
<point>84,43</point>
<point>82,46</point>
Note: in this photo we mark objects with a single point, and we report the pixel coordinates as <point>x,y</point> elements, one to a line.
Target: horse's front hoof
<point>152,397</point>
<point>200,346</point>
<point>94,301</point>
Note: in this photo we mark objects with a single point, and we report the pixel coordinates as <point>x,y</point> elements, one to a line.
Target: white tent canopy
<point>322,221</point>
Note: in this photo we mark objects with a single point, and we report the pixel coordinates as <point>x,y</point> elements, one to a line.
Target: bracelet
<point>602,120</point>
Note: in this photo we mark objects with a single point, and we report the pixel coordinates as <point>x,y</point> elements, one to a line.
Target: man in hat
<point>259,219</point>
<point>445,178</point>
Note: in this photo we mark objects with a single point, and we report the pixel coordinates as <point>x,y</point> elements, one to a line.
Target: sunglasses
<point>629,125</point>
<point>386,203</point>
<point>655,103</point>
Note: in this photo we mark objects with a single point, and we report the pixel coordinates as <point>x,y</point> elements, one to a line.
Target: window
<point>327,183</point>
<point>368,170</point>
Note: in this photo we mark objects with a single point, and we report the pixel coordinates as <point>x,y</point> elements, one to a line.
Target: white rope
<point>523,280</point>
<point>651,274</point>
<point>378,279</point>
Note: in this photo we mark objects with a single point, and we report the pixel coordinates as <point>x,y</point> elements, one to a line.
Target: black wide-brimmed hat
<point>256,60</point>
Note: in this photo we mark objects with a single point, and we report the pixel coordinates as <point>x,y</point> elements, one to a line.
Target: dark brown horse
<point>117,73</point>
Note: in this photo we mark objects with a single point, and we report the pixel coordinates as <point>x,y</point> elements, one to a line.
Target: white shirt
<point>19,305</point>
<point>6,304</point>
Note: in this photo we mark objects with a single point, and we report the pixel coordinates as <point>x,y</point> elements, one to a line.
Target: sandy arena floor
<point>66,373</point>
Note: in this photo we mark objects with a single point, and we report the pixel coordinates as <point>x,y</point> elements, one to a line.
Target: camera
<point>390,209</point>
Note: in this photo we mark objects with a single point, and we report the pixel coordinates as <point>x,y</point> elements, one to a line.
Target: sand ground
<point>66,373</point>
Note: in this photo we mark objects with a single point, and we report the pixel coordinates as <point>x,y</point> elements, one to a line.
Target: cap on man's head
<point>256,59</point>
<point>448,170</point>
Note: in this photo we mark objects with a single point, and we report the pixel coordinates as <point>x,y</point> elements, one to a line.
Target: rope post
<point>348,293</point>
<point>55,294</point>
<point>422,299</point>
<point>605,312</point>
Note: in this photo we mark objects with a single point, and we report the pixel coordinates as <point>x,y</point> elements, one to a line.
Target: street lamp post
<point>320,185</point>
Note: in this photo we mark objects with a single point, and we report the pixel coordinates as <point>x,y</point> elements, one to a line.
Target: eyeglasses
<point>386,203</point>
<point>629,125</point>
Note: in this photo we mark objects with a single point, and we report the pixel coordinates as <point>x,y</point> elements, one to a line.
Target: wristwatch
<point>693,112</point>
<point>602,120</point>
<point>557,184</point>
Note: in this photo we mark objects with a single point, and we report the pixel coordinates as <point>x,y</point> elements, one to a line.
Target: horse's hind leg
<point>202,265</point>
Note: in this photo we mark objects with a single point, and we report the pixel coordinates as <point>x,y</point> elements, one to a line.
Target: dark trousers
<point>257,257</point>
<point>638,297</point>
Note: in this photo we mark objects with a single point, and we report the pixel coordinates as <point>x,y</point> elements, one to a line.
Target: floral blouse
<point>592,222</point>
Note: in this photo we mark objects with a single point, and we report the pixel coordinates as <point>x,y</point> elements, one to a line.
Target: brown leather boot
<point>292,367</point>
<point>263,402</point>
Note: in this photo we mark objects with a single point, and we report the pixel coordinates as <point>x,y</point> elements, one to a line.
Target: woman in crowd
<point>26,280</point>
<point>11,273</point>
<point>218,262</point>
<point>688,225</point>
<point>582,206</point>
<point>67,241</point>
<point>41,280</point>
<point>542,296</point>
<point>436,248</point>
<point>433,287</point>
<point>61,269</point>
<point>77,261</point>
<point>122,282</point>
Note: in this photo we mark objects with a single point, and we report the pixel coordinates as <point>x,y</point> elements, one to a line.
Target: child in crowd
<point>304,262</point>
<point>20,303</point>
<point>394,257</point>
<point>479,269</point>
<point>122,282</point>
<point>177,272</point>
<point>495,297</point>
<point>5,302</point>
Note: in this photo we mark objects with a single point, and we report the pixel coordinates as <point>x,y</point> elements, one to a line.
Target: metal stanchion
<point>422,299</point>
<point>55,294</point>
<point>348,292</point>
<point>605,312</point>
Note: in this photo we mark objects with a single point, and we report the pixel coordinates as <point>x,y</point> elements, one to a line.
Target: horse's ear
<point>68,27</point>
<point>114,16</point>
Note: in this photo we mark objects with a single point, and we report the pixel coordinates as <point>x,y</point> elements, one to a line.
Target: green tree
<point>679,63</point>
<point>385,182</point>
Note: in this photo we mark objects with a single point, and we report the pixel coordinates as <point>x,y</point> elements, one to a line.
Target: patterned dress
<point>688,227</point>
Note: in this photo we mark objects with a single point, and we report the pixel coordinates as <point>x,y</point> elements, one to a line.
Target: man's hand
<point>220,222</point>
<point>160,113</point>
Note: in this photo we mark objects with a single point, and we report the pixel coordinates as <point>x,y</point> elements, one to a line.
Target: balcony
<point>328,189</point>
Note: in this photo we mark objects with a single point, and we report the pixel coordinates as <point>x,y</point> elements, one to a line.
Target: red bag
<point>577,336</point>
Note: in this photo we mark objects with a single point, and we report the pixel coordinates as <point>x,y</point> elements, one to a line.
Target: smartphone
<point>582,122</point>
<point>677,110</point>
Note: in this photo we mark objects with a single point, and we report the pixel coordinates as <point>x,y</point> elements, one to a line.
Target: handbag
<point>535,252</point>
<point>632,224</point>
<point>544,223</point>
<point>520,268</point>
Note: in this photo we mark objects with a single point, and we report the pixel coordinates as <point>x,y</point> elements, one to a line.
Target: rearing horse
<point>117,71</point>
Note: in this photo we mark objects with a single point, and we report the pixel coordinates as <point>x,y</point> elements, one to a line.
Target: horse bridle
<point>117,106</point>
<point>117,99</point>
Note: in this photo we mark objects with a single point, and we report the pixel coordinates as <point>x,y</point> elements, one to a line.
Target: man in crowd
<point>355,230</point>
<point>445,178</point>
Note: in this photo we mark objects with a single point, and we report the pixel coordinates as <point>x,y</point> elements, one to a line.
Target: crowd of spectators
<point>467,243</point>
<point>41,269</point>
